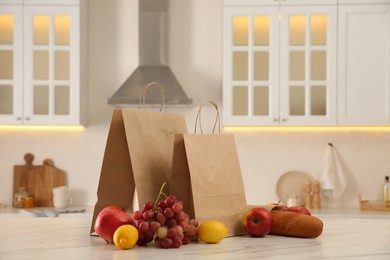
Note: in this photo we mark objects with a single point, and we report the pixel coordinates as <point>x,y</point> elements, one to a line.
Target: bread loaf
<point>293,224</point>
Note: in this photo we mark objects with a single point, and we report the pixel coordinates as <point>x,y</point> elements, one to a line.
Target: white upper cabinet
<point>308,65</point>
<point>253,3</point>
<point>279,63</point>
<point>43,2</point>
<point>364,63</point>
<point>40,81</point>
<point>11,64</point>
<point>251,66</point>
<point>298,62</point>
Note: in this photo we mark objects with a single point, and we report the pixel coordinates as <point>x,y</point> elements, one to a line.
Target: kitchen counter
<point>45,212</point>
<point>349,213</point>
<point>68,238</point>
<point>88,211</point>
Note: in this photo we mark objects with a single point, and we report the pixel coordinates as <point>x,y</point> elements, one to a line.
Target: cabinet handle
<point>284,120</point>
<point>18,118</point>
<point>276,119</point>
<point>27,118</point>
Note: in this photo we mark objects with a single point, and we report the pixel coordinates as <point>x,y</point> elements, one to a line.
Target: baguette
<point>293,224</point>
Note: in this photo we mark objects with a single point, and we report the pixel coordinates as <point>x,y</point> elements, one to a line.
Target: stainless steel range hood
<point>153,65</point>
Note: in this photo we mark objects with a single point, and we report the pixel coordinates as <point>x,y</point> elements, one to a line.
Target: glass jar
<point>28,202</point>
<point>20,197</point>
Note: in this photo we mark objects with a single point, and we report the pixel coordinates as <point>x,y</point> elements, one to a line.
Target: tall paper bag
<point>116,183</point>
<point>206,175</point>
<point>138,155</point>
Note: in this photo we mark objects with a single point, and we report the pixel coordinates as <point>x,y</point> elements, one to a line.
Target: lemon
<point>212,231</point>
<point>125,236</point>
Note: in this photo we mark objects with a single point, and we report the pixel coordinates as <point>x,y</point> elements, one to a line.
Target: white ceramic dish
<point>292,183</point>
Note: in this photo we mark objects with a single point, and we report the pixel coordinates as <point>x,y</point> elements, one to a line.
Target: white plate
<point>292,183</point>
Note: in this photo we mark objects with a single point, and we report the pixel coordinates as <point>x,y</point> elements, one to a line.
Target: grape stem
<point>159,195</point>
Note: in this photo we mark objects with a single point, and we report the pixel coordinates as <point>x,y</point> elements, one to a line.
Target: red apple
<point>257,221</point>
<point>298,209</point>
<point>282,207</point>
<point>277,206</point>
<point>109,219</point>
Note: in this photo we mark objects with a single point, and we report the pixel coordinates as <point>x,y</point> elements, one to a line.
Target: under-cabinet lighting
<point>63,128</point>
<point>307,129</point>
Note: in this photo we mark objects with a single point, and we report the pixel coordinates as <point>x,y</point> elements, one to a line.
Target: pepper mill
<point>316,195</point>
<point>308,194</point>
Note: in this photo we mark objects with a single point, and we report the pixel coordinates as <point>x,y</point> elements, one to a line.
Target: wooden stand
<point>374,205</point>
<point>316,195</point>
<point>308,194</point>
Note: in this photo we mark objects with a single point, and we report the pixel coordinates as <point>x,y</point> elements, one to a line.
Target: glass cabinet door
<point>279,65</point>
<point>51,78</point>
<point>10,64</point>
<point>250,77</point>
<point>308,82</point>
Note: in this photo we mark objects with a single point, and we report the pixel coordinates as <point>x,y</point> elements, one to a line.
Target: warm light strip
<point>307,129</point>
<point>70,128</point>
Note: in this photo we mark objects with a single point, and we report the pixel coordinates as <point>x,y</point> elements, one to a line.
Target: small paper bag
<point>138,155</point>
<point>206,175</point>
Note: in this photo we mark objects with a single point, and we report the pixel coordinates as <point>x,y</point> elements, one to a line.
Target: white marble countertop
<point>349,213</point>
<point>88,211</point>
<point>68,238</point>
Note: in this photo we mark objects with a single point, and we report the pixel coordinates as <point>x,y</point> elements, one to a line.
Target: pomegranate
<point>109,219</point>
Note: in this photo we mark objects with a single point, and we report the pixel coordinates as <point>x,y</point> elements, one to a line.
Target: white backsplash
<point>268,155</point>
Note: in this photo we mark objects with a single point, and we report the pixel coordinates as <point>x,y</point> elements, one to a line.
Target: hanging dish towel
<point>332,176</point>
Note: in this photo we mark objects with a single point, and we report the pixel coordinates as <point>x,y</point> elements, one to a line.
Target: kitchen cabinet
<point>279,62</point>
<point>364,62</point>
<point>41,62</point>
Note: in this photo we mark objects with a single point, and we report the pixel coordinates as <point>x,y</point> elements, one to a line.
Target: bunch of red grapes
<point>166,223</point>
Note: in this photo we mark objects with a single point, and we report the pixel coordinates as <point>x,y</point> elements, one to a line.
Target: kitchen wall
<point>195,57</point>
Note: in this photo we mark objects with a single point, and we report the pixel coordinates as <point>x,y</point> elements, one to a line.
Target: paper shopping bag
<point>138,156</point>
<point>116,183</point>
<point>150,136</point>
<point>206,175</point>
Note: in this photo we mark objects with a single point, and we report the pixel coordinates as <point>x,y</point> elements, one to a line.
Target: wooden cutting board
<point>42,180</point>
<point>39,180</point>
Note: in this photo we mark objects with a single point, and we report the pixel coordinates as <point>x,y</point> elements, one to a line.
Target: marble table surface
<point>68,238</point>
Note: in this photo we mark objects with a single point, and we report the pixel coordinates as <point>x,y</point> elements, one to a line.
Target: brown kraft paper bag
<point>206,175</point>
<point>138,155</point>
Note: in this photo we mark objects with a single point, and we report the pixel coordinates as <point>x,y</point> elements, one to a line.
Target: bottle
<point>386,190</point>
